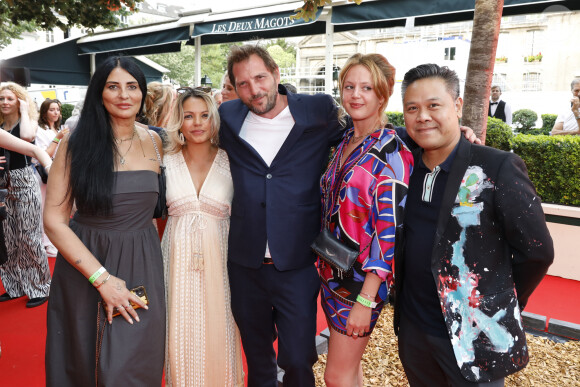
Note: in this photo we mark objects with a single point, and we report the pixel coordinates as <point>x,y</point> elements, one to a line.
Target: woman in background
<point>48,136</point>
<point>228,90</point>
<point>363,193</point>
<point>203,343</point>
<point>49,131</point>
<point>26,272</point>
<point>218,98</point>
<point>109,168</point>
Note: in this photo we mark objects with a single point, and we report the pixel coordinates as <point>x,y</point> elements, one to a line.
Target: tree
<point>283,58</point>
<point>19,16</point>
<point>486,24</point>
<point>182,70</point>
<point>11,31</point>
<point>284,44</point>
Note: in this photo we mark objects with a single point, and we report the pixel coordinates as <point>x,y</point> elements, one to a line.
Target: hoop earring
<point>181,137</point>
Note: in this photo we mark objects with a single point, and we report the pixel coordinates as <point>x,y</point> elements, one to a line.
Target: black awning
<point>266,26</point>
<point>393,13</point>
<point>154,42</point>
<point>60,64</point>
<point>57,64</point>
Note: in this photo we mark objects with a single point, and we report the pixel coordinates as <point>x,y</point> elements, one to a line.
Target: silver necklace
<point>122,160</point>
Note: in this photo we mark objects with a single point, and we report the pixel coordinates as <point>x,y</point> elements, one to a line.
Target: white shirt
<point>267,136</point>
<point>507,110</point>
<point>569,120</point>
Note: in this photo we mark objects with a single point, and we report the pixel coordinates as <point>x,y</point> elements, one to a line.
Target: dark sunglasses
<point>194,91</point>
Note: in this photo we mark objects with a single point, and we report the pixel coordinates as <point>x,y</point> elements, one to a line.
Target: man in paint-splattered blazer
<point>476,246</point>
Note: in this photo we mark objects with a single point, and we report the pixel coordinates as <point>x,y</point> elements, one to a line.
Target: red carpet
<point>556,298</point>
<point>23,330</point>
<point>22,339</point>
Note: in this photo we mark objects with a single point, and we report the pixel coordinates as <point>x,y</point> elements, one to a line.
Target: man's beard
<point>270,103</point>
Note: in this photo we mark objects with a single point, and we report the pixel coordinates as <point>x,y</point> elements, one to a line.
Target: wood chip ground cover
<point>551,363</point>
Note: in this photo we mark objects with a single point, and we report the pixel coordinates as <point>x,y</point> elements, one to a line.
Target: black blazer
<point>487,269</point>
<point>279,203</point>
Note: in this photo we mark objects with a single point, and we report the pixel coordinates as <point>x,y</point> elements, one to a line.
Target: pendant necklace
<point>358,138</point>
<point>122,160</point>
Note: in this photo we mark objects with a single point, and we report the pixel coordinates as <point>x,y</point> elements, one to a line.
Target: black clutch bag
<point>3,212</point>
<point>334,252</point>
<point>41,172</point>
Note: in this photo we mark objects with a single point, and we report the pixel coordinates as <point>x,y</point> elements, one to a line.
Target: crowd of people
<point>450,231</point>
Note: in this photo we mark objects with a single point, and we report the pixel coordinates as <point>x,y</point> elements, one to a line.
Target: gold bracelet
<point>102,283</point>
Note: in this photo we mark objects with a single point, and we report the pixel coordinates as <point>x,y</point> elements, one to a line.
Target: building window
<point>532,82</point>
<point>162,8</point>
<point>449,53</point>
<point>500,80</point>
<point>503,45</point>
<point>49,37</point>
<point>534,40</point>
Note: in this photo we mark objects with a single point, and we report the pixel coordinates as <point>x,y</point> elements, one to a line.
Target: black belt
<point>268,261</point>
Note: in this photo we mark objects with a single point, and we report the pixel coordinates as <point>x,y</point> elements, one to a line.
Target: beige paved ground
<point>551,364</point>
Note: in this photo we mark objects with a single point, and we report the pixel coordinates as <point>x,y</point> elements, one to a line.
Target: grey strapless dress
<point>127,245</point>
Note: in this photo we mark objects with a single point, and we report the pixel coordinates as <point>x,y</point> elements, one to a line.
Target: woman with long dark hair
<point>49,131</point>
<point>109,169</point>
<point>26,272</point>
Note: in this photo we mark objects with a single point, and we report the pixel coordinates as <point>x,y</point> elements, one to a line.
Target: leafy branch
<point>310,7</point>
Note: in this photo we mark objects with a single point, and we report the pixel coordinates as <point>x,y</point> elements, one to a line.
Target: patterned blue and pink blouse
<point>363,203</point>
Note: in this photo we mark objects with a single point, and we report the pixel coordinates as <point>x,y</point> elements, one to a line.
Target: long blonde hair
<point>174,143</point>
<point>22,94</point>
<point>159,103</point>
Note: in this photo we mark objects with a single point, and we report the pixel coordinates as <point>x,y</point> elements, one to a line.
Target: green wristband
<point>363,301</point>
<point>97,274</point>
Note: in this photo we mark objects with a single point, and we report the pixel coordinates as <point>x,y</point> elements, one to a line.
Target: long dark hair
<point>91,148</point>
<point>42,119</point>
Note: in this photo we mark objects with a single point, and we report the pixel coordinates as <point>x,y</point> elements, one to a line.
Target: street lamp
<point>205,81</point>
<point>335,80</point>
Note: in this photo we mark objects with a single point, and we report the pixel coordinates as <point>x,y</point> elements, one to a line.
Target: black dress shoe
<point>7,297</point>
<point>36,301</point>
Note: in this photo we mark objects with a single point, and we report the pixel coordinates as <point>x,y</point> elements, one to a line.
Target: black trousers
<point>429,360</point>
<point>265,298</point>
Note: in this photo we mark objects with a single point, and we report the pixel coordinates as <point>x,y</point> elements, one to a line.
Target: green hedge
<point>524,120</point>
<point>498,134</point>
<point>553,163</point>
<point>66,111</point>
<point>548,121</point>
<point>396,118</point>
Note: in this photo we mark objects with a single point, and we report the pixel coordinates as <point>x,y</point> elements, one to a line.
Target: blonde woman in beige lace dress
<point>203,344</point>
